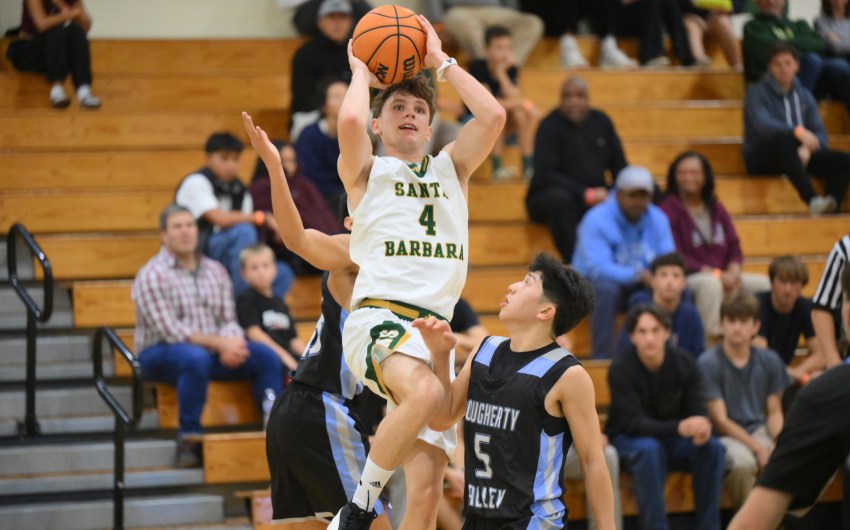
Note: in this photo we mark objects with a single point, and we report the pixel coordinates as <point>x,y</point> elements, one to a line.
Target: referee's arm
<point>827,299</point>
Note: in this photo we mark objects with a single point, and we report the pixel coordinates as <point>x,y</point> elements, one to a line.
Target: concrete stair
<point>58,357</point>
<point>138,512</point>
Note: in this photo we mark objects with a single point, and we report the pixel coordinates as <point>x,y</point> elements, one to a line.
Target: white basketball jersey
<point>411,235</point>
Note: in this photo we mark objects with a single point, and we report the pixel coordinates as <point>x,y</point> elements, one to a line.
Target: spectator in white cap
<point>617,240</point>
<point>320,61</point>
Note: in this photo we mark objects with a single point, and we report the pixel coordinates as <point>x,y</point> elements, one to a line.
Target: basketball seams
<point>397,47</point>
<point>420,30</point>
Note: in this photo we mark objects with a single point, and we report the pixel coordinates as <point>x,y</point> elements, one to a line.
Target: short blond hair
<point>257,249</point>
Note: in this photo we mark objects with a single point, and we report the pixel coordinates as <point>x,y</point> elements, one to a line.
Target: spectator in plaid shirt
<point>186,328</point>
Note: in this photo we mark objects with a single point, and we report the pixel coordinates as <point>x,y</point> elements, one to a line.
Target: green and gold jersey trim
<point>404,311</point>
<point>422,168</point>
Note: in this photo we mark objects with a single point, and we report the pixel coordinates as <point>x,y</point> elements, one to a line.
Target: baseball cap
<point>635,177</point>
<point>330,7</point>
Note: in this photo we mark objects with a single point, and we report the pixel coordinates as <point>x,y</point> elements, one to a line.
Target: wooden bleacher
<point>90,185</point>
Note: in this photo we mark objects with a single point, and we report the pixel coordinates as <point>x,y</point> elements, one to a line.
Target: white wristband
<point>443,67</point>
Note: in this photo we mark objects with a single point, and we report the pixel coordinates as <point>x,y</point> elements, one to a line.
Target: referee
<point>827,302</point>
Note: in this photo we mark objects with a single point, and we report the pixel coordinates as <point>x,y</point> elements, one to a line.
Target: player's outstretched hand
<point>261,143</point>
<point>436,333</point>
<point>356,64</point>
<point>434,54</point>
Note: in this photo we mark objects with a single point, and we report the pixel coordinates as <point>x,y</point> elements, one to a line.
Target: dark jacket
<point>317,61</point>
<point>652,404</point>
<point>575,156</point>
<point>769,111</point>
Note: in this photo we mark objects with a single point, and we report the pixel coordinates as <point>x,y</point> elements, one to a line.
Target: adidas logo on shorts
<point>376,484</point>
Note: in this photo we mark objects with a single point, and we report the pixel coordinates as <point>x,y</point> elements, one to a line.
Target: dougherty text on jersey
<point>494,416</point>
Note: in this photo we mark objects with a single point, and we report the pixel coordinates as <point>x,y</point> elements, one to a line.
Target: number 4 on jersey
<point>426,219</point>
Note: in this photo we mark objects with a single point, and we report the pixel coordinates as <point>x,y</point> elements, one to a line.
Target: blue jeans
<point>648,459</point>
<point>189,368</point>
<point>610,299</point>
<point>225,245</point>
<point>826,76</point>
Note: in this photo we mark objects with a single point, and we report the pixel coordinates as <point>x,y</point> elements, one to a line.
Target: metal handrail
<point>123,421</point>
<point>35,314</point>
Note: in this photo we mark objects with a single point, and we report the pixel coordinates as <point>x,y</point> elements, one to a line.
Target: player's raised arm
<point>355,146</point>
<point>475,140</point>
<point>323,251</point>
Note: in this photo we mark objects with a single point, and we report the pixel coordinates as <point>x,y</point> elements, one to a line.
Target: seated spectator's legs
<point>720,27</point>
<point>263,367</point>
<point>671,13</point>
<point>79,60</point>
<point>283,280</point>
<point>225,245</point>
<point>834,79</point>
<point>610,298</point>
<point>708,295</point>
<point>706,464</point>
<point>754,282</point>
<point>643,19</point>
<point>742,465</point>
<point>186,367</point>
<point>562,211</point>
<point>834,167</point>
<point>572,471</point>
<point>644,458</point>
<point>811,66</point>
<point>467,25</point>
<point>778,155</point>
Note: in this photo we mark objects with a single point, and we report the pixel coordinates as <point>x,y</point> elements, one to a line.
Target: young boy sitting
<point>785,315</point>
<point>499,73</point>
<point>668,285</point>
<point>264,316</point>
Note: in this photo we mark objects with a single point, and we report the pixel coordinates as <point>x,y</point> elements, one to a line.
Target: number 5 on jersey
<point>480,441</point>
<point>426,219</point>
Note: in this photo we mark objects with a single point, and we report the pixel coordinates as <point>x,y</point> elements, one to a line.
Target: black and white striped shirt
<point>828,295</point>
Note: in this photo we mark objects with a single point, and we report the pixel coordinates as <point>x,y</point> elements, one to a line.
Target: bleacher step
<point>25,265</point>
<point>13,315</point>
<point>100,481</point>
<point>138,512</point>
<point>85,457</point>
<point>63,402</point>
<point>79,424</point>
<point>53,349</point>
<point>11,373</point>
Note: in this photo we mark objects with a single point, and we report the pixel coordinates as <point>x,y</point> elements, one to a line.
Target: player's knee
<point>429,392</point>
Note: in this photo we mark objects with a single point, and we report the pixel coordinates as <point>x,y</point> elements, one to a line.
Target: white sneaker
<point>86,98</point>
<point>571,56</point>
<point>610,56</point>
<point>821,205</point>
<point>58,98</point>
<point>504,173</point>
<point>658,62</point>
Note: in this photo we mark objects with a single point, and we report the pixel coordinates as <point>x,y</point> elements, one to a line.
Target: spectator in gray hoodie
<point>834,27</point>
<point>784,134</point>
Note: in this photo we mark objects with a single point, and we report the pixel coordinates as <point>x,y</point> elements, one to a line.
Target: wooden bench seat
<point>228,403</point>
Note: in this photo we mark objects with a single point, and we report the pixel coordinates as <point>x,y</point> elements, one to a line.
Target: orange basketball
<point>391,43</point>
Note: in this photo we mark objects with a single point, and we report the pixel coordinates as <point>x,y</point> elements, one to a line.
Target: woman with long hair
<point>706,238</point>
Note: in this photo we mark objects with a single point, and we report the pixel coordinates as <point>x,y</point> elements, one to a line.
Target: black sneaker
<point>352,517</point>
<point>188,454</point>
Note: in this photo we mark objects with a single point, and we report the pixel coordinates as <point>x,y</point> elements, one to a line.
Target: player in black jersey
<point>524,400</point>
<point>315,443</point>
<point>813,445</point>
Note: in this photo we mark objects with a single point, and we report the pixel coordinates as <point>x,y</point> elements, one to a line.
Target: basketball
<point>391,43</point>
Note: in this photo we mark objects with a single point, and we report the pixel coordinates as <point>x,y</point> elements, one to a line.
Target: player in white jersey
<point>410,242</point>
